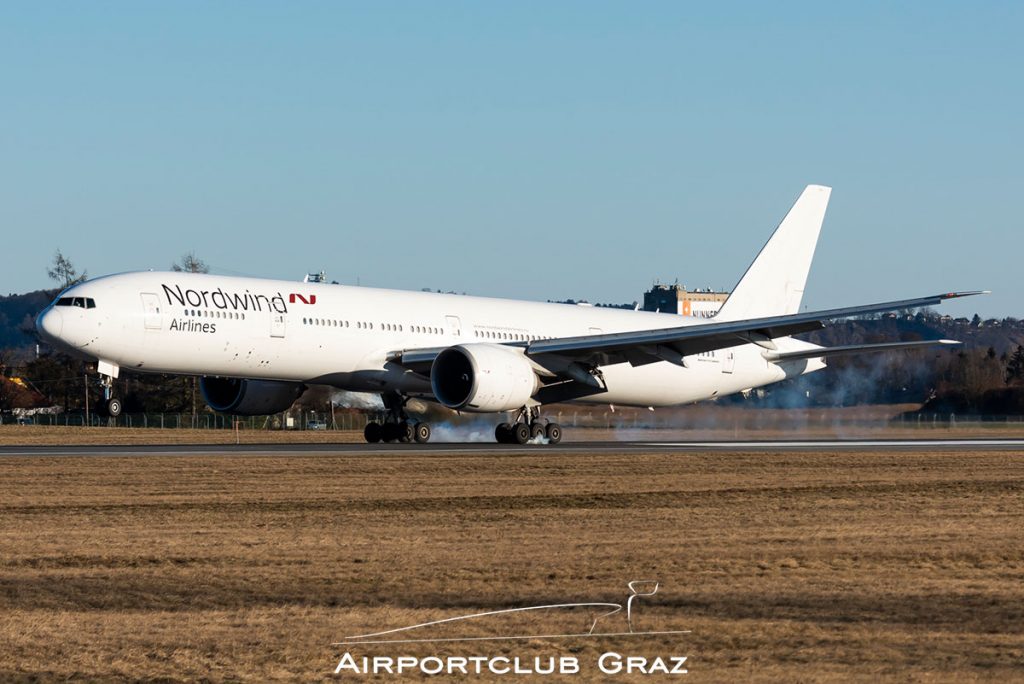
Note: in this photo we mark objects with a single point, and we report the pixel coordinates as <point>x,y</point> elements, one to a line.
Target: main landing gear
<point>528,427</point>
<point>396,426</point>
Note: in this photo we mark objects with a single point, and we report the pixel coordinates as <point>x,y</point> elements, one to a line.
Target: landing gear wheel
<point>422,433</point>
<point>405,432</point>
<point>521,433</point>
<point>554,433</point>
<point>113,407</point>
<point>373,432</point>
<point>389,432</point>
<point>503,433</point>
<point>536,430</point>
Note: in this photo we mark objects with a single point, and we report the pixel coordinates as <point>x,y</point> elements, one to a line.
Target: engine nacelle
<point>242,397</point>
<point>483,378</point>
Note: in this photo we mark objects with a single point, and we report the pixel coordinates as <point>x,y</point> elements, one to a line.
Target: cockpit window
<point>80,302</point>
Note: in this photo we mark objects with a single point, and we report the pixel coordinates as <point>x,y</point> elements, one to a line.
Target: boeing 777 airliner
<point>257,344</point>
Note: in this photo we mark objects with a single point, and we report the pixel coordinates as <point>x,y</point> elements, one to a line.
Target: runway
<point>484,448</point>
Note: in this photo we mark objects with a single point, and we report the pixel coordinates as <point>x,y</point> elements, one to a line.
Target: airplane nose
<point>50,324</point>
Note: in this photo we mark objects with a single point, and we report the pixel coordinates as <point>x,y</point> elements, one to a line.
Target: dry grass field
<point>791,567</point>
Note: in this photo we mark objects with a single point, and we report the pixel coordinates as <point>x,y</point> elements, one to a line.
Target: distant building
<point>676,299</point>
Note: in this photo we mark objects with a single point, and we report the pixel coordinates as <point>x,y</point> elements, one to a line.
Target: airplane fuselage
<point>198,324</point>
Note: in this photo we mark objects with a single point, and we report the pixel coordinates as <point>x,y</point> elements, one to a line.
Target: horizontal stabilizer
<point>819,352</point>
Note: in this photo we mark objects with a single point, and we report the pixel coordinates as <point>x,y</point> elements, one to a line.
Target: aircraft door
<point>151,307</point>
<point>277,324</point>
<point>729,362</point>
<point>454,325</point>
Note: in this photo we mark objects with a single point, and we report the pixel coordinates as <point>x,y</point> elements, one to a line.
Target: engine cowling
<point>243,397</point>
<point>483,378</point>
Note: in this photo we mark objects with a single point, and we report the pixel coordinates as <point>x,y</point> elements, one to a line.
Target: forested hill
<point>1002,335</point>
<point>975,377</point>
<point>18,314</point>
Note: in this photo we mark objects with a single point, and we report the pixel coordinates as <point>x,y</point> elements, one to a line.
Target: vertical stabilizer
<point>774,283</point>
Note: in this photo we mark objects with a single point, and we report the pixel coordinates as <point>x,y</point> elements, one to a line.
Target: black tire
<point>422,433</point>
<point>521,433</point>
<point>554,433</point>
<point>373,432</point>
<point>113,407</point>
<point>536,430</point>
<point>389,432</point>
<point>502,433</point>
<point>405,432</point>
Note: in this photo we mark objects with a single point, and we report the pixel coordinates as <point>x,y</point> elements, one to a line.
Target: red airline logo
<point>293,298</point>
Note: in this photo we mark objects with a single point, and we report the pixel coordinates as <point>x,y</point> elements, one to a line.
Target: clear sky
<point>535,150</point>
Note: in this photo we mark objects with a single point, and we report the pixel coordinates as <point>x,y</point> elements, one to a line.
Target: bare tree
<point>63,272</point>
<point>190,263</point>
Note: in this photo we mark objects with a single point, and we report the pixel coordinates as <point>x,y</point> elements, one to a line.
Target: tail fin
<point>774,283</point>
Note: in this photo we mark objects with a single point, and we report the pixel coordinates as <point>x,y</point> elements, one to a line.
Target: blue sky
<point>534,150</point>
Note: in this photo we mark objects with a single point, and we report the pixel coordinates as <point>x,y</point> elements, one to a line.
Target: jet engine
<point>483,378</point>
<point>243,397</point>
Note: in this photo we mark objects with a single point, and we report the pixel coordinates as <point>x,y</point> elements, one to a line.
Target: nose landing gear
<point>111,405</point>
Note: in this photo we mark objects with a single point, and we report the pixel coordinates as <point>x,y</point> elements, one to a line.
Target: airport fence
<point>596,419</point>
<point>201,421</point>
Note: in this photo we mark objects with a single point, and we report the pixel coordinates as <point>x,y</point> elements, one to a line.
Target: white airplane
<point>258,343</point>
